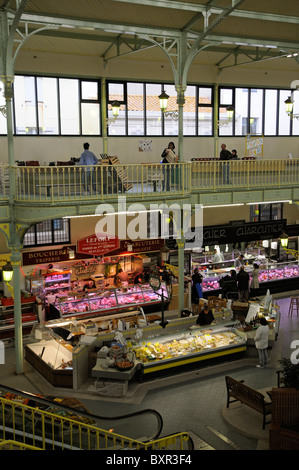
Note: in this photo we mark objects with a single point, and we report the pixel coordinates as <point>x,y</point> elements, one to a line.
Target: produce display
<point>185,345</point>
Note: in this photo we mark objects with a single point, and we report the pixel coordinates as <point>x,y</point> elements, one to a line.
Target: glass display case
<point>188,347</point>
<point>28,312</point>
<point>57,282</point>
<point>105,300</point>
<point>275,276</point>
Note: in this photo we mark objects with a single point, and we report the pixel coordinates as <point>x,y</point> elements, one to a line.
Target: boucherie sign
<point>97,245</point>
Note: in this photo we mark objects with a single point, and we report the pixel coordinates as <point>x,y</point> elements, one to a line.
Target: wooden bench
<point>237,391</point>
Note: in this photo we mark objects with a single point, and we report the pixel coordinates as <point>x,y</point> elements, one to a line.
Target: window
<point>205,111</point>
<point>136,113</point>
<point>284,119</point>
<point>25,105</point>
<point>171,126</point>
<point>49,232</point>
<point>264,212</point>
<point>190,106</point>
<point>69,106</point>
<point>256,112</point>
<point>153,111</point>
<point>47,102</point>
<point>226,98</point>
<point>116,92</point>
<point>270,112</point>
<point>90,108</point>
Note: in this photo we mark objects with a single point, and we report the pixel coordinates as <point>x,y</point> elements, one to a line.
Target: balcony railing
<point>107,182</point>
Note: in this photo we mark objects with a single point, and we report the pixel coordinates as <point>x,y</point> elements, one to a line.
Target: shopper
<point>243,284</point>
<point>168,156</point>
<point>89,159</point>
<point>225,156</point>
<point>235,155</point>
<point>196,291</point>
<point>205,317</point>
<point>254,285</point>
<point>261,342</point>
<point>229,283</point>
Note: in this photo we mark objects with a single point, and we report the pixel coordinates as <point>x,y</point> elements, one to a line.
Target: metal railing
<point>53,431</point>
<point>107,182</point>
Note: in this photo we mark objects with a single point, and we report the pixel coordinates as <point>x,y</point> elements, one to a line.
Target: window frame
<point>53,230</point>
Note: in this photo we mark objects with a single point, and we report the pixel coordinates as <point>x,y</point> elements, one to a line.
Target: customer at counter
<point>229,283</point>
<point>205,317</point>
<point>243,284</point>
<point>196,291</point>
<point>255,284</point>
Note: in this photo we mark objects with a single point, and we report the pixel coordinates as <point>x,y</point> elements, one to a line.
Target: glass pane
<point>241,111</point>
<point>44,233</point>
<point>89,91</point>
<point>190,106</point>
<point>284,119</point>
<point>225,125</point>
<point>116,93</point>
<point>205,114</point>
<point>47,99</point>
<point>90,115</point>
<point>256,112</point>
<point>265,212</point>
<point>277,211</point>
<point>25,105</point>
<point>171,124</point>
<point>295,130</point>
<point>29,237</point>
<point>61,230</point>
<point>153,111</point>
<point>135,109</point>
<point>270,112</point>
<point>69,106</point>
<point>226,96</point>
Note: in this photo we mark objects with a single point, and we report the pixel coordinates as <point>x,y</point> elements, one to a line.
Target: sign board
<point>97,245</point>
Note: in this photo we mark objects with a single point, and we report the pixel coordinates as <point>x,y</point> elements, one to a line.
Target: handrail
<point>91,416</point>
<point>47,184</point>
<point>53,431</point>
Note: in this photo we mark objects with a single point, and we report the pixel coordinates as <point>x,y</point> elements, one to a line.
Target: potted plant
<point>289,373</point>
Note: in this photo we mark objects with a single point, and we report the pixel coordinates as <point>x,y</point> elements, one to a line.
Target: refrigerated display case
<point>276,277</point>
<point>34,285</point>
<point>188,347</point>
<point>106,300</point>
<point>57,282</point>
<point>28,312</point>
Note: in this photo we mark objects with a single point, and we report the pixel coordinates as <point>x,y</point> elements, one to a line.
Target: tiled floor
<point>192,401</point>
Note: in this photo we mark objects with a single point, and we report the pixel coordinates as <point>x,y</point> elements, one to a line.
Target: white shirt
<point>261,337</point>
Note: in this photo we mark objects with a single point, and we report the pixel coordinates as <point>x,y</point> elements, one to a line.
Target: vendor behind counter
<point>205,317</point>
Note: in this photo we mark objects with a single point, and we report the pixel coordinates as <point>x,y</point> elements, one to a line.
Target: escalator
<point>66,419</point>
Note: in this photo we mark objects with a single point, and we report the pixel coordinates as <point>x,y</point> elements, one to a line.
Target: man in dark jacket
<point>243,284</point>
<point>225,156</point>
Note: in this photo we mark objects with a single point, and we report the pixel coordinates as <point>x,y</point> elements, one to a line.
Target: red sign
<point>97,245</point>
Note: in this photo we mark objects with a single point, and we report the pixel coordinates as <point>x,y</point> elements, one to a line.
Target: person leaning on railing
<point>225,156</point>
<point>168,156</point>
<point>88,158</point>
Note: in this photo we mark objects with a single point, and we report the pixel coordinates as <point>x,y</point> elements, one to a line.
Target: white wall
<point>46,149</point>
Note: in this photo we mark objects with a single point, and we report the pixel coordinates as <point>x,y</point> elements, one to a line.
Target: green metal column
<point>16,264</point>
<point>104,116</point>
<point>181,291</point>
